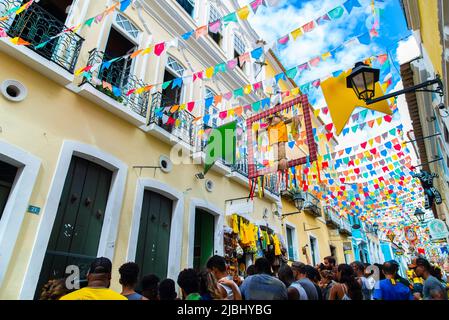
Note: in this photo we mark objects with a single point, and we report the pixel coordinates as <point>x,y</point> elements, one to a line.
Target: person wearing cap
<point>433,289</point>
<point>98,282</point>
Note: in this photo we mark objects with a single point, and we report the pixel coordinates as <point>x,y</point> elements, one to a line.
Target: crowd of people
<point>295,281</point>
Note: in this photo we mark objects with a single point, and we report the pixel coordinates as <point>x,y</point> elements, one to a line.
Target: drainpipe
<point>139,7</point>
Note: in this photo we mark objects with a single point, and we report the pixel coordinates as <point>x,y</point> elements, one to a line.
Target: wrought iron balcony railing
<point>36,26</point>
<point>160,113</point>
<point>117,75</point>
<point>332,217</point>
<point>345,227</point>
<point>311,204</point>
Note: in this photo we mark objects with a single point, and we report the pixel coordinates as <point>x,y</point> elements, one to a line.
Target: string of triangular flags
<point>211,71</point>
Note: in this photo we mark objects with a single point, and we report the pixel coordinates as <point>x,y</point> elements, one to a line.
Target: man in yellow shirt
<point>98,282</point>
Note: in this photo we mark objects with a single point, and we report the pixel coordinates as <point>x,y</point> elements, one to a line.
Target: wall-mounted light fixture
<point>363,81</point>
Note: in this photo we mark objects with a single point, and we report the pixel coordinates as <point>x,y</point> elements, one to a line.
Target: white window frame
<point>317,248</point>
<point>176,74</point>
<point>137,41</point>
<point>295,243</point>
<point>16,207</point>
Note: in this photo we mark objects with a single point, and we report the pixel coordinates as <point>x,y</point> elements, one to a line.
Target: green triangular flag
<point>89,22</point>
<point>166,84</point>
<point>221,145</point>
<point>336,13</point>
<point>292,72</point>
<point>230,18</point>
<point>238,93</point>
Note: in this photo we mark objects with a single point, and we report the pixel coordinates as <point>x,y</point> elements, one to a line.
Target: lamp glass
<point>363,81</point>
<point>299,201</point>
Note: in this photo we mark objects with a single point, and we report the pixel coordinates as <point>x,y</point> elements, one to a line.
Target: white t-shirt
<point>229,292</point>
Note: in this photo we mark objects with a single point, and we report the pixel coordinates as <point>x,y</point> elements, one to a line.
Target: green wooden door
<point>204,238</point>
<point>77,228</point>
<point>154,235</point>
<point>7,175</point>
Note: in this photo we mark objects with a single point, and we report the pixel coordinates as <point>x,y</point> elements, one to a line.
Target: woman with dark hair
<point>347,287</point>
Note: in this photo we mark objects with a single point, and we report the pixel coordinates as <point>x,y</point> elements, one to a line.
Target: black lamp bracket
<point>290,214</point>
<point>423,87</point>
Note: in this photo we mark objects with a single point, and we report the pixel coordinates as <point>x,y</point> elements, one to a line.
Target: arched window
<point>172,94</point>
<point>127,26</point>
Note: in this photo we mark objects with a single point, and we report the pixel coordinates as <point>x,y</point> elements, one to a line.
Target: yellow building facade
<point>88,173</point>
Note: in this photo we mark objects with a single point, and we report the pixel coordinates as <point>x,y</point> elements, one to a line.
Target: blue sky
<point>283,16</point>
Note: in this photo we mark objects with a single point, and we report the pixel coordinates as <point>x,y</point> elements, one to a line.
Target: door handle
<point>88,201</point>
<point>74,197</point>
<point>99,214</point>
<point>152,218</point>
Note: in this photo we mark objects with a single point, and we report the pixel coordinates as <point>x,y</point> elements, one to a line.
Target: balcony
<point>311,204</point>
<point>332,217</point>
<point>345,227</point>
<point>37,26</point>
<point>160,114</point>
<point>99,88</point>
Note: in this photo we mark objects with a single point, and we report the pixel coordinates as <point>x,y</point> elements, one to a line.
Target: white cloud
<point>408,50</point>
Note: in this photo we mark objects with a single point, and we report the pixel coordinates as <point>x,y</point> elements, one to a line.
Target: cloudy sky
<point>274,22</point>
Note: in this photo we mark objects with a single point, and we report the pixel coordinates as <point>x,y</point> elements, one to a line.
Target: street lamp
<point>363,81</point>
<point>299,200</point>
<point>420,215</point>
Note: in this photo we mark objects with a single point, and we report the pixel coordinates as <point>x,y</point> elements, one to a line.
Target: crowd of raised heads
<point>292,281</point>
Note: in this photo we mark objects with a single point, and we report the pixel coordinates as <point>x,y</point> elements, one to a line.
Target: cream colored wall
<point>430,32</point>
<point>52,114</point>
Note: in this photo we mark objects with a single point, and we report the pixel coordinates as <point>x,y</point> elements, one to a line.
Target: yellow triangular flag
<point>294,91</point>
<point>316,113</point>
<point>342,101</point>
<point>326,55</point>
<point>140,90</point>
<point>209,72</point>
<point>296,33</point>
<point>247,89</point>
<point>146,51</point>
<point>379,120</point>
<point>243,13</point>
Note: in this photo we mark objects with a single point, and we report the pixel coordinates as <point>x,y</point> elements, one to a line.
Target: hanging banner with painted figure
<point>280,138</point>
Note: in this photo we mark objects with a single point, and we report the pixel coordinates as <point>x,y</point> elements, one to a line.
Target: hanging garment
<point>277,246</point>
<point>235,223</point>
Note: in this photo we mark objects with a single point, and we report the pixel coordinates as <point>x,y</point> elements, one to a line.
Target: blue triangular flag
<point>176,83</point>
<point>124,4</point>
<point>350,4</point>
<point>257,53</point>
<point>208,102</point>
<point>365,38</point>
<point>187,35</point>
